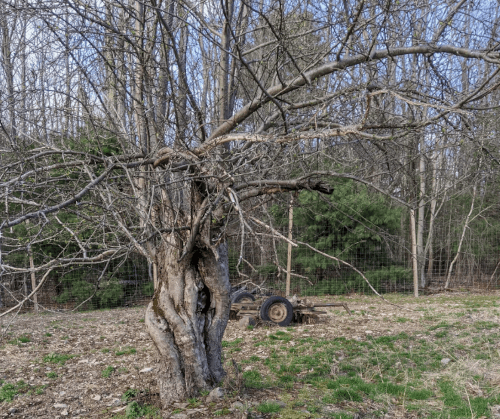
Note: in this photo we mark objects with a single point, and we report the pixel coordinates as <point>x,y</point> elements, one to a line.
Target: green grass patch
<point>343,394</point>
<point>231,344</point>
<point>402,320</point>
<point>19,340</point>
<point>40,389</point>
<point>106,372</point>
<point>422,394</point>
<point>463,406</point>
<point>485,325</point>
<point>253,379</point>
<point>392,367</point>
<point>280,335</point>
<point>193,402</point>
<point>126,351</point>
<point>130,394</point>
<point>55,358</point>
<point>268,407</point>
<point>9,391</point>
<point>135,410</point>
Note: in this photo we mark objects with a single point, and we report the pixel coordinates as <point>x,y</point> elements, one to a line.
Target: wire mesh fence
<point>386,266</point>
<point>331,249</point>
<point>102,285</point>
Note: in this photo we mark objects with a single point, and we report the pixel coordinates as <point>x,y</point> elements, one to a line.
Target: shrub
<point>109,293</point>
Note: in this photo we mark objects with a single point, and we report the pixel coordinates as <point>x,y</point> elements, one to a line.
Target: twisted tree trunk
<point>190,308</point>
<point>187,319</point>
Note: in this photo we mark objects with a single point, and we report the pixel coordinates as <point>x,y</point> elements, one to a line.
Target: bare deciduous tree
<point>157,127</point>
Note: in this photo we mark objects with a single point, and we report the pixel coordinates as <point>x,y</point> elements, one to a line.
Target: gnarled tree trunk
<point>189,312</point>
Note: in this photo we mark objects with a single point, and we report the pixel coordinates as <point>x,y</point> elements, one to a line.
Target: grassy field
<point>435,357</point>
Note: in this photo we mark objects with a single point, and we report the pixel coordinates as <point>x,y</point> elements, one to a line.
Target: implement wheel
<point>242,297</point>
<point>277,310</point>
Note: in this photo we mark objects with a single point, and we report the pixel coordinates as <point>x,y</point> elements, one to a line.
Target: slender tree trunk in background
<point>466,226</point>
<point>8,67</point>
<point>109,64</point>
<point>43,105</point>
<point>205,74</point>
<point>33,277</point>
<point>121,86</point>
<point>24,111</point>
<point>25,284</point>
<point>421,216</point>
<point>138,105</point>
<point>449,240</point>
<point>181,92</point>
<point>437,162</point>
<point>414,254</point>
<point>289,257</point>
<point>1,261</point>
<point>142,183</point>
<point>420,148</point>
<point>430,235</point>
<point>234,87</point>
<point>223,94</point>
<point>162,96</point>
<point>67,113</point>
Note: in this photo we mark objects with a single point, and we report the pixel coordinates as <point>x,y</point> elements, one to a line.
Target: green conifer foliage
<point>353,224</point>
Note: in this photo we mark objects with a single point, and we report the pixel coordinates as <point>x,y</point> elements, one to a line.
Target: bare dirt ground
<point>109,352</point>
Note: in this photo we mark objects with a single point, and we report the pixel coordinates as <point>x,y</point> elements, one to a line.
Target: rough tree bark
<point>188,316</point>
